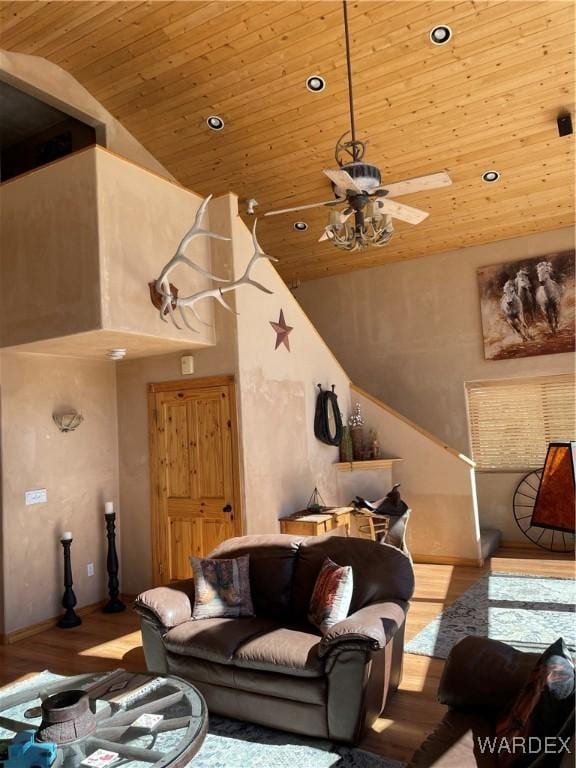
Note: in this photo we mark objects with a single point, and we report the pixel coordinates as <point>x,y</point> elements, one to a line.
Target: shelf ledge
<point>356,466</point>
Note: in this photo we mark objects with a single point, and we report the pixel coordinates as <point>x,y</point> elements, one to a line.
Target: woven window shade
<point>512,422</point>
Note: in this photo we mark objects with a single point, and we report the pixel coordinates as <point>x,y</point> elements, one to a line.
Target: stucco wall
<point>133,377</point>
<point>79,471</point>
<point>82,238</point>
<point>49,224</point>
<point>436,483</point>
<point>141,221</point>
<point>50,83</point>
<point>410,334</point>
<point>283,460</point>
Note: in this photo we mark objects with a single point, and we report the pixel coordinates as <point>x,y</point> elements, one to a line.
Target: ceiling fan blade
<point>418,184</point>
<point>402,212</point>
<point>327,203</point>
<point>342,179</point>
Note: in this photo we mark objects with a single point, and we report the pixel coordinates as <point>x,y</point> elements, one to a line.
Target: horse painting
<point>526,295</point>
<point>548,295</point>
<point>528,306</point>
<point>513,311</point>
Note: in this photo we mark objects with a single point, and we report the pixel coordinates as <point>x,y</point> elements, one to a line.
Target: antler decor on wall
<point>165,296</point>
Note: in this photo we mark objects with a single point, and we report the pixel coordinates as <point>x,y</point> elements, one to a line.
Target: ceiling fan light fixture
<point>300,226</point>
<point>315,83</point>
<point>440,34</point>
<point>215,122</point>
<point>490,176</point>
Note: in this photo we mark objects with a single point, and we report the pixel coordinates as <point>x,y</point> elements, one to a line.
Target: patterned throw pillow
<point>332,595</point>
<point>542,706</point>
<point>221,588</point>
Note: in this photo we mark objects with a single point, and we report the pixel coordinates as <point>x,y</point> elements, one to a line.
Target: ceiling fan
<point>358,186</point>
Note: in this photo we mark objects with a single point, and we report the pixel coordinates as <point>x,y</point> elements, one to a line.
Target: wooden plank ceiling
<point>486,100</point>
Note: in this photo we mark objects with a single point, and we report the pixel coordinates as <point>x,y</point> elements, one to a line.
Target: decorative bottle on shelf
<point>346,447</point>
<point>374,450</point>
<point>356,424</point>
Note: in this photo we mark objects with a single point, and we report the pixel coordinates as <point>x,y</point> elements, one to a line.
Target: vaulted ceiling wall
<point>488,99</point>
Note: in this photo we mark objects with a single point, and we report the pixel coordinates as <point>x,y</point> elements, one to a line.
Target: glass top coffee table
<point>118,719</point>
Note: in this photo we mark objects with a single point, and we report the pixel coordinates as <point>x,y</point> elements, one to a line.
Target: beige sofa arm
<point>168,606</point>
<point>371,627</point>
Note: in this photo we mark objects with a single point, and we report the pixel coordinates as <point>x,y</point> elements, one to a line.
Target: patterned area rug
<point>235,744</point>
<point>527,612</point>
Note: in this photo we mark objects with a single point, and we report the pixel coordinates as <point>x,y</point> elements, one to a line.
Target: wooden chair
<point>385,529</point>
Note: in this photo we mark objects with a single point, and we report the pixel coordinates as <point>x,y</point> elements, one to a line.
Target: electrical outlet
<point>90,569</point>
<point>39,496</point>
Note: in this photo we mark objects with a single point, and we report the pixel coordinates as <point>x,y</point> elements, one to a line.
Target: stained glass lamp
<point>555,503</point>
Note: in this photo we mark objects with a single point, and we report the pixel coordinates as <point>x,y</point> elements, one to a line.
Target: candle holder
<point>114,605</point>
<point>70,618</point>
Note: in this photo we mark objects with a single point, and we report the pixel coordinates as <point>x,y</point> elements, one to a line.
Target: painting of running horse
<point>527,306</point>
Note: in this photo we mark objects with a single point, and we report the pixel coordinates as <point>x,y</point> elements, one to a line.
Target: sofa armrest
<point>371,627</point>
<point>483,675</point>
<point>169,606</point>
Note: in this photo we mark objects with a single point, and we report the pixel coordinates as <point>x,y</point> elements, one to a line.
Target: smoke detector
<point>117,354</point>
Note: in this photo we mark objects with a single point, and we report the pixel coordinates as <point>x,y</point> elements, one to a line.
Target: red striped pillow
<point>332,595</point>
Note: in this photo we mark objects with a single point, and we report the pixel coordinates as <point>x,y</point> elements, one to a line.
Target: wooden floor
<point>106,641</point>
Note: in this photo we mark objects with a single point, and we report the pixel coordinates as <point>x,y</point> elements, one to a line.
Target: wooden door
<point>194,472</point>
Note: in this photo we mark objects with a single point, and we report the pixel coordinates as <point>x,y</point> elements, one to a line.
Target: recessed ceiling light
<point>215,123</point>
<point>300,226</point>
<point>315,83</point>
<point>490,176</point>
<point>440,34</point>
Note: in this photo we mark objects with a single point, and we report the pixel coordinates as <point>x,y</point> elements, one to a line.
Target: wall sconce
<point>68,422</point>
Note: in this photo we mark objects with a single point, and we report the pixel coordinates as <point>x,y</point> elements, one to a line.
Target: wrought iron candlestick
<point>114,605</point>
<point>70,618</point>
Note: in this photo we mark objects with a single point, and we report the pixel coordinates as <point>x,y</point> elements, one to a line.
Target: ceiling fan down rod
<point>349,70</point>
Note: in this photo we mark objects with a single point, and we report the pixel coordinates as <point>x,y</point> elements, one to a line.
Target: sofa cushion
<point>311,690</point>
<point>286,650</point>
<point>272,563</point>
<point>381,572</point>
<point>222,587</point>
<point>215,639</point>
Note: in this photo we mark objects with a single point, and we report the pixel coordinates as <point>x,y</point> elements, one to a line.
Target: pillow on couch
<point>541,707</point>
<point>332,595</point>
<point>221,588</point>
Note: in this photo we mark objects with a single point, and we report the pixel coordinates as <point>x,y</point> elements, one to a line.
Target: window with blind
<point>512,422</point>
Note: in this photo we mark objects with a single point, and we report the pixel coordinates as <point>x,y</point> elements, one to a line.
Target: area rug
<point>527,612</point>
<point>235,744</point>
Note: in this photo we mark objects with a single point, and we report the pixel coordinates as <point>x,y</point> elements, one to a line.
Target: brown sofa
<point>275,668</point>
<point>481,679</point>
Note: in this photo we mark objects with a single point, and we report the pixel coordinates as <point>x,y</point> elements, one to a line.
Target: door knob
<point>227,508</point>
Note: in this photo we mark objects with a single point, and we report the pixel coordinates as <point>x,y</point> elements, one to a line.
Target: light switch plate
<point>39,496</point>
<point>187,365</point>
<point>90,569</point>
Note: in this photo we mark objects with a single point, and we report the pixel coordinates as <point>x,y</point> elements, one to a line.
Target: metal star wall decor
<point>282,331</point>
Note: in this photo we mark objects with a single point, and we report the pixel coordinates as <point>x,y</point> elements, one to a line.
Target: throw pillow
<point>332,595</point>
<point>221,588</point>
<point>541,708</point>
